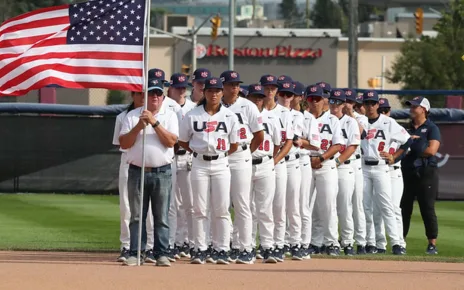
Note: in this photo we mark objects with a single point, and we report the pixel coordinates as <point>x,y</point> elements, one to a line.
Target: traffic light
<point>373,83</point>
<point>185,69</point>
<point>419,17</point>
<point>216,23</point>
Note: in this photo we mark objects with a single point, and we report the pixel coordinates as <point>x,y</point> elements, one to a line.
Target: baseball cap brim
<point>182,85</point>
<point>233,81</point>
<point>257,94</point>
<point>412,103</point>
<point>155,88</point>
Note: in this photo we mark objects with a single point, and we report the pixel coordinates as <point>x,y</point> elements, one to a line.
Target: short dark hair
<point>383,110</point>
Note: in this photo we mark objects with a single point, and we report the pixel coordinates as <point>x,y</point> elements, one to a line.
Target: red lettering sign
<point>279,51</point>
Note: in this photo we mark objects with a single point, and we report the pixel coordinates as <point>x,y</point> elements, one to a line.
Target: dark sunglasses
<point>314,99</point>
<point>285,94</point>
<point>336,102</point>
<point>157,93</point>
<point>369,103</point>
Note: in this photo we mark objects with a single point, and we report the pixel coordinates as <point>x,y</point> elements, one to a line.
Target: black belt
<point>349,161</point>
<point>371,162</point>
<point>297,155</point>
<point>181,152</point>
<point>396,167</point>
<point>208,158</point>
<point>163,168</point>
<point>317,156</point>
<point>244,147</point>
<point>260,160</point>
<point>358,156</point>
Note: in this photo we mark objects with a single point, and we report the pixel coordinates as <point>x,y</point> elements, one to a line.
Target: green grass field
<point>91,223</point>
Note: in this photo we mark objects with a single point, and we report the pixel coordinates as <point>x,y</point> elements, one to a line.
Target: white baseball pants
<point>306,199</point>
<point>359,217</point>
<point>325,221</point>
<point>377,188</point>
<point>292,202</point>
<point>240,193</point>
<point>210,186</point>
<point>346,181</point>
<point>124,209</point>
<point>262,196</point>
<point>278,205</point>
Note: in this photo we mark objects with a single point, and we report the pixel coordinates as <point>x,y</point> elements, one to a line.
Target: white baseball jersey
<point>186,107</point>
<point>170,104</point>
<point>272,135</point>
<point>330,133</point>
<point>393,147</point>
<point>364,123</point>
<point>298,128</point>
<point>380,136</point>
<point>285,120</point>
<point>210,135</point>
<point>310,132</point>
<point>248,117</point>
<point>350,132</point>
<point>117,129</point>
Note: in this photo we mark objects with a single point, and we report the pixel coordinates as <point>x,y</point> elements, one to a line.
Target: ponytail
<point>131,107</point>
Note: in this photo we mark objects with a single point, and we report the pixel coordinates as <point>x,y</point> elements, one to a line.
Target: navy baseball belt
<point>297,156</point>
<point>260,160</point>
<point>181,152</point>
<point>209,157</point>
<point>374,162</point>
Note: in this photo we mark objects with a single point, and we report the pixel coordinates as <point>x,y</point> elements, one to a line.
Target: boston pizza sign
<point>275,52</point>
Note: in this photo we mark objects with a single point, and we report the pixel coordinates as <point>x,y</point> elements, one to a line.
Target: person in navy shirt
<point>420,171</point>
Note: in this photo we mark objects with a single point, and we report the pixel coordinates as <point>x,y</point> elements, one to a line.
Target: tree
<point>115,97</point>
<point>434,63</point>
<point>289,11</point>
<point>12,8</point>
<point>327,14</point>
<point>157,17</point>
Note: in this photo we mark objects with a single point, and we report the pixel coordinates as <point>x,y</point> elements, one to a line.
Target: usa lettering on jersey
<point>209,127</point>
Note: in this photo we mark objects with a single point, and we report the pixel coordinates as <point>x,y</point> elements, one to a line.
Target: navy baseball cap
<point>256,89</point>
<point>351,95</point>
<point>155,84</point>
<point>156,73</point>
<point>179,80</point>
<point>284,79</point>
<point>230,76</point>
<point>314,91</point>
<point>326,87</point>
<point>370,96</point>
<point>419,101</point>
<point>299,88</point>
<point>200,75</point>
<point>337,94</point>
<point>267,80</point>
<point>359,99</point>
<point>243,92</point>
<point>383,103</point>
<point>213,83</point>
<point>286,87</point>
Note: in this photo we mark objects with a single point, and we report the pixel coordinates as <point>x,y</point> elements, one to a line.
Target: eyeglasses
<point>157,93</point>
<point>285,94</point>
<point>314,99</point>
<point>336,102</point>
<point>370,103</point>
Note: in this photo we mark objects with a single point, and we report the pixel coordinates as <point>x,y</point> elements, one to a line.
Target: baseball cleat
<point>398,250</point>
<point>287,251</point>
<point>348,250</point>
<point>371,249</point>
<point>170,254</point>
<point>185,251</point>
<point>431,250</point>
<point>305,253</point>
<point>259,253</point>
<point>212,258</point>
<point>381,251</point>
<point>331,250</point>
<point>314,250</point>
<point>233,255</point>
<point>222,258</point>
<point>245,257</point>
<point>279,254</point>
<point>124,255</point>
<point>199,258</point>
<point>163,261</point>
<point>268,257</point>
<point>176,252</point>
<point>150,257</point>
<point>296,253</point>
<point>360,250</point>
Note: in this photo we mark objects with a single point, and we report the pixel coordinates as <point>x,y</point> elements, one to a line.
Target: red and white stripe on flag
<point>95,44</point>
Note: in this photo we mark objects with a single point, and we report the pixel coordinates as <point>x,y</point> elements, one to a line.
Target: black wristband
<point>321,158</point>
<point>156,124</point>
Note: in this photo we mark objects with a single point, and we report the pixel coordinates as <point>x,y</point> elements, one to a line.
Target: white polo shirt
<point>272,135</point>
<point>156,154</point>
<point>117,129</point>
<point>209,135</point>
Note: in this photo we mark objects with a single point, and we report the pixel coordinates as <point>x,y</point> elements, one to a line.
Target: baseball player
<point>285,94</point>
<point>310,140</point>
<point>263,176</point>
<point>211,132</point>
<point>396,176</point>
<point>198,82</point>
<point>270,84</point>
<point>359,218</point>
<point>124,208</point>
<point>346,180</point>
<point>381,132</point>
<point>324,188</point>
<point>250,137</point>
<point>181,209</point>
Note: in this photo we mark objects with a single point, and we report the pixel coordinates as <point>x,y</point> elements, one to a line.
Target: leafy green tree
<point>115,97</point>
<point>12,8</point>
<point>289,11</point>
<point>327,14</point>
<point>434,63</point>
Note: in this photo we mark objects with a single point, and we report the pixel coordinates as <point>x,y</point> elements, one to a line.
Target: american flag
<point>95,44</point>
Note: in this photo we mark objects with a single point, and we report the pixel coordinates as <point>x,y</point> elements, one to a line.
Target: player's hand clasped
<point>147,118</point>
<point>316,163</point>
<point>388,157</point>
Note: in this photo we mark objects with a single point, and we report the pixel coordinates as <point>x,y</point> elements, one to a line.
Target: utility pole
<point>353,44</point>
<point>307,13</point>
<point>231,33</point>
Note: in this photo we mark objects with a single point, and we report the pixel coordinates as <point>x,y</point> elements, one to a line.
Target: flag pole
<point>146,58</point>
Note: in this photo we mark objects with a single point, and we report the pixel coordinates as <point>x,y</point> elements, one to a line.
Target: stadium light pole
<point>231,33</point>
<point>353,44</point>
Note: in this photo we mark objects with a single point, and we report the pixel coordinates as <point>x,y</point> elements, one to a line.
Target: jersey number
<point>284,136</point>
<point>342,148</point>
<point>325,144</point>
<point>264,146</point>
<point>242,133</point>
<point>221,144</point>
<point>382,146</point>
